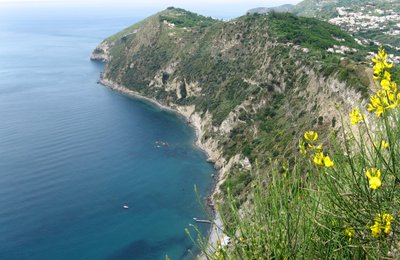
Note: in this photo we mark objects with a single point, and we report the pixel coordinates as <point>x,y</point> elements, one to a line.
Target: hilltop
<point>279,9</point>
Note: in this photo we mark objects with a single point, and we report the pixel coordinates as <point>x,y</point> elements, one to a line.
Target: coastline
<point>216,236</point>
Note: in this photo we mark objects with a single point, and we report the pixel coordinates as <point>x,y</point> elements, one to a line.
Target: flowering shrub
<point>340,199</point>
<point>358,197</point>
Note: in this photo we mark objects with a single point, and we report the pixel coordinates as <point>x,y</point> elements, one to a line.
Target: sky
<point>214,8</point>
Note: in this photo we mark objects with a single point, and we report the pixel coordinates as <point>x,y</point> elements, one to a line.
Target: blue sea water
<point>72,152</point>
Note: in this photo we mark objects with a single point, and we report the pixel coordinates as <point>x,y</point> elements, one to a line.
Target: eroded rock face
<point>101,53</point>
<point>178,86</point>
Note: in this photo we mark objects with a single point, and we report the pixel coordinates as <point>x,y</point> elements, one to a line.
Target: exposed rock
<point>101,52</point>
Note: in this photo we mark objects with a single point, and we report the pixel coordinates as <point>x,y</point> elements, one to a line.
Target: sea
<point>73,152</point>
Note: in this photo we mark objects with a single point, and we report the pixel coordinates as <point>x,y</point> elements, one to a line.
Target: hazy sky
<point>156,2</point>
<point>216,8</point>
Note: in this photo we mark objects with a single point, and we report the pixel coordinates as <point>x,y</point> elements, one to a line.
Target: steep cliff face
<point>248,86</point>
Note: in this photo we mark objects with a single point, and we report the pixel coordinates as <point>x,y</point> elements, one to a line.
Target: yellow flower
<point>378,68</point>
<point>387,217</point>
<point>375,183</point>
<point>394,105</point>
<point>381,94</point>
<point>319,158</point>
<point>376,104</point>
<point>302,147</point>
<point>356,116</point>
<point>383,223</point>
<point>387,76</point>
<point>393,87</point>
<point>379,111</point>
<point>349,232</point>
<point>387,221</point>
<point>328,162</point>
<point>374,177</point>
<point>370,108</point>
<point>385,84</point>
<point>381,64</point>
<point>373,172</point>
<point>376,230</point>
<point>380,56</point>
<point>384,144</point>
<point>311,136</point>
<point>315,147</point>
<point>387,228</point>
<point>391,97</point>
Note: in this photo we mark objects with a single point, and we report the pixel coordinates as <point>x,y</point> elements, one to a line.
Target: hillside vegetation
<point>372,21</point>
<point>252,86</point>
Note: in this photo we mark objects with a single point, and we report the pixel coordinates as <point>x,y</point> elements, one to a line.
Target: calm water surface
<point>73,152</point>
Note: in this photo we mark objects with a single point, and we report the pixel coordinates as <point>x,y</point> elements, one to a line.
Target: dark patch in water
<point>141,249</point>
<point>138,249</point>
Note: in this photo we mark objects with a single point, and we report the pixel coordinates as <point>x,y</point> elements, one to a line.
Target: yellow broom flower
<point>349,232</point>
<point>356,116</point>
<point>376,230</point>
<point>384,144</point>
<point>319,159</point>
<point>311,136</point>
<point>328,162</point>
<point>374,177</point>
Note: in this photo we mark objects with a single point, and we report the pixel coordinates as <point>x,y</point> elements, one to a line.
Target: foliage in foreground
<point>340,199</point>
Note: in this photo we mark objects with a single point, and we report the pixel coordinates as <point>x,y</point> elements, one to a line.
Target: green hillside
<point>252,86</point>
<point>251,71</point>
<point>369,20</point>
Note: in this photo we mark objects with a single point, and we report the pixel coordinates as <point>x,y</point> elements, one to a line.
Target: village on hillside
<point>366,19</point>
